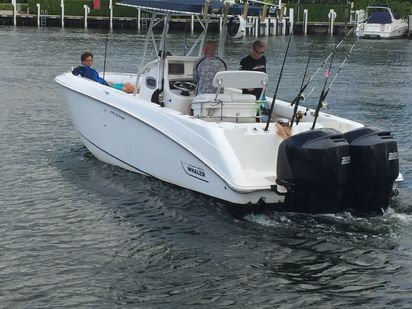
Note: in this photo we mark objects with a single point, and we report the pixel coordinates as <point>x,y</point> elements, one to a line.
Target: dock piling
<point>14,3</point>
<point>409,26</point>
<point>111,15</point>
<point>305,21</point>
<point>86,13</point>
<point>38,14</point>
<point>62,12</point>
<point>139,17</point>
<point>331,17</point>
<point>291,20</point>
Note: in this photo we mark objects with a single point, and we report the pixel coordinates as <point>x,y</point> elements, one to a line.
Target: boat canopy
<point>380,18</point>
<point>190,7</point>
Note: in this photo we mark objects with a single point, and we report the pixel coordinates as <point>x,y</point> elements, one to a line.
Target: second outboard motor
<point>314,167</point>
<point>374,168</point>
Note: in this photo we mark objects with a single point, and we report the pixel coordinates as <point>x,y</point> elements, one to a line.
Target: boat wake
<point>381,231</point>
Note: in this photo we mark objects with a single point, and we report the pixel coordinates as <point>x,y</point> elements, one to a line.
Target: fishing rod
<point>299,97</point>
<point>325,91</point>
<point>277,86</point>
<point>323,94</point>
<point>330,55</point>
<point>303,86</point>
<point>105,56</point>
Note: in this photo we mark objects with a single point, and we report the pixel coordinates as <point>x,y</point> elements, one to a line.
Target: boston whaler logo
<point>194,171</point>
<point>345,160</point>
<point>393,156</point>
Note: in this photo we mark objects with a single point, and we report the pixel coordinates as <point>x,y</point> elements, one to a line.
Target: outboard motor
<point>374,168</point>
<point>314,166</point>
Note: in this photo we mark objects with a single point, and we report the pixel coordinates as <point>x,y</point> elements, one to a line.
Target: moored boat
<point>381,23</point>
<point>216,143</point>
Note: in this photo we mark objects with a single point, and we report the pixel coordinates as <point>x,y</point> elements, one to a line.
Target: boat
<point>381,23</point>
<point>216,144</point>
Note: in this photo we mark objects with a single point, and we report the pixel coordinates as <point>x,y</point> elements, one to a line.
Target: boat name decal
<point>345,160</point>
<point>194,171</point>
<point>393,156</point>
<point>117,115</point>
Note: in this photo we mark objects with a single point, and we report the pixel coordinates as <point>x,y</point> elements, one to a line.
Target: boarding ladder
<point>144,22</point>
<point>43,17</point>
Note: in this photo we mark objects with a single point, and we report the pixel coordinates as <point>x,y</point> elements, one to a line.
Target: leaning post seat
<point>233,106</point>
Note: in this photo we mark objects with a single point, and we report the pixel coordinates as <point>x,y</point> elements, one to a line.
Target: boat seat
<point>240,79</point>
<point>225,98</point>
<point>231,106</point>
<point>228,106</point>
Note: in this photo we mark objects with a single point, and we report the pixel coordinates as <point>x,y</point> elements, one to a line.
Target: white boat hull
<point>376,31</point>
<point>124,140</point>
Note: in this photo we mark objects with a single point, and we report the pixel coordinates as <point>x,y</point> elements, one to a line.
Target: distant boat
<point>381,23</point>
<point>217,144</point>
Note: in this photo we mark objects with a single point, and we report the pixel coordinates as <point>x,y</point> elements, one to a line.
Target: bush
<point>6,7</point>
<point>320,13</point>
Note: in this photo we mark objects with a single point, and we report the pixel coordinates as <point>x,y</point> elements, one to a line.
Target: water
<point>77,233</point>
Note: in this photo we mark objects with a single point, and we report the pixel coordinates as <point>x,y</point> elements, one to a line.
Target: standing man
<point>205,69</point>
<point>256,61</point>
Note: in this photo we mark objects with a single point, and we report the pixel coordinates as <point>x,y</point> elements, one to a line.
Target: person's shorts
<point>118,86</point>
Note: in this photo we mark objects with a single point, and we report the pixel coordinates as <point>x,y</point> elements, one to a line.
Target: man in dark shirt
<point>256,61</point>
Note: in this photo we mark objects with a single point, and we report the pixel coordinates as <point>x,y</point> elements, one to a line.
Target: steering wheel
<point>185,87</point>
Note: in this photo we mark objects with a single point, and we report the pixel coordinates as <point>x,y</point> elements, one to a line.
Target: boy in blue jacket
<point>87,71</point>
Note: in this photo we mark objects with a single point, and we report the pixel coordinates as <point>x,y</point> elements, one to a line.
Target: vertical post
<point>139,17</point>
<point>305,21</point>
<point>410,26</point>
<point>192,24</point>
<point>291,20</point>
<point>38,14</point>
<point>352,5</point>
<point>357,18</point>
<point>13,2</point>
<point>86,12</point>
<point>111,14</point>
<point>267,26</point>
<point>331,16</point>
<point>284,26</point>
<point>257,26</point>
<point>62,12</point>
<point>223,34</point>
<point>275,26</point>
<point>220,24</point>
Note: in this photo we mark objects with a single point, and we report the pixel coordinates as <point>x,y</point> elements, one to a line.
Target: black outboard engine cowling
<point>374,168</point>
<point>314,167</point>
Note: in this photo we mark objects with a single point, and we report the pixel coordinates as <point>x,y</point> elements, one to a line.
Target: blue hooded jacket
<point>89,73</point>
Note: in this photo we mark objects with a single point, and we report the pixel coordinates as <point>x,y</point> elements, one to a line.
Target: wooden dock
<point>131,23</point>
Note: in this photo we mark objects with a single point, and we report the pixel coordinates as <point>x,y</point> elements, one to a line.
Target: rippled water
<point>77,233</point>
